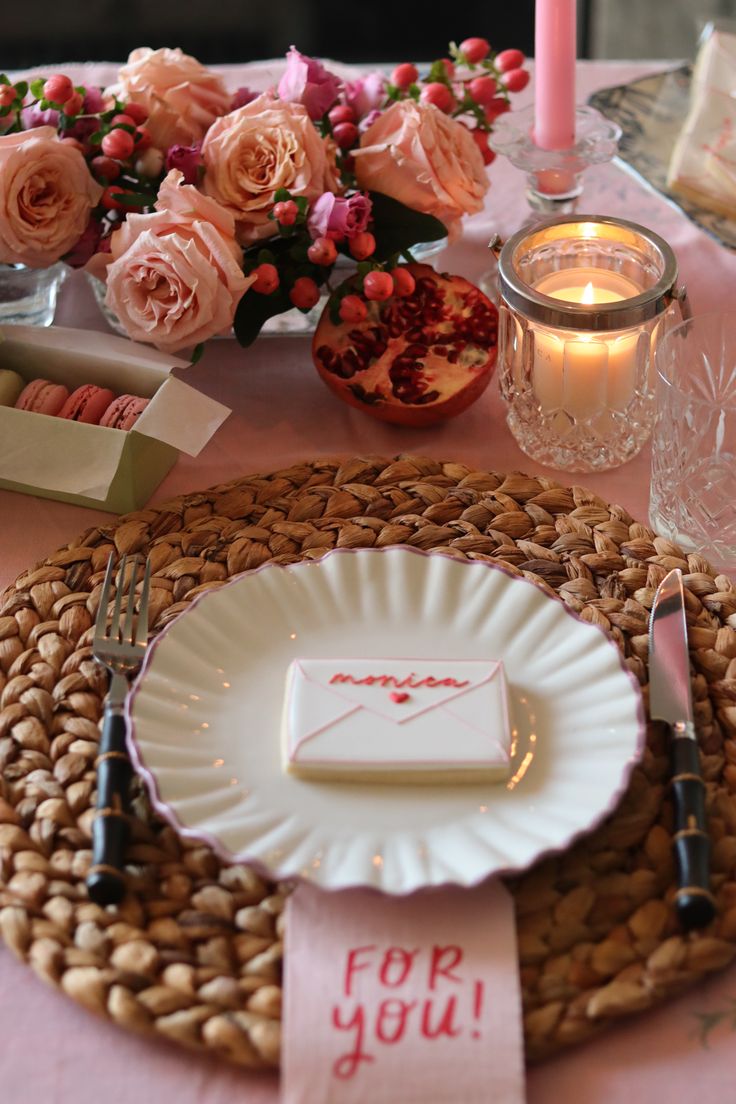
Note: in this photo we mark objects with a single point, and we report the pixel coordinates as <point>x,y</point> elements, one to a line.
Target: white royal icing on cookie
<point>396,720</point>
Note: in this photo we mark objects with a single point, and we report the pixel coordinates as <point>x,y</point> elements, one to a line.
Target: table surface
<point>54,1051</point>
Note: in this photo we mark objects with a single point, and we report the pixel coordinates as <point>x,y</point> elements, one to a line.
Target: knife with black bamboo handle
<point>670,700</point>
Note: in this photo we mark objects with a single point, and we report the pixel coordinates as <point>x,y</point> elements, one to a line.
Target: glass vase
<point>28,295</point>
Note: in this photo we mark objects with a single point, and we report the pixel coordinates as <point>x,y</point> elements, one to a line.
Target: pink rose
<point>338,218</point>
<point>252,152</point>
<point>429,162</point>
<point>46,195</point>
<point>366,93</point>
<point>181,96</point>
<point>174,277</point>
<point>306,81</point>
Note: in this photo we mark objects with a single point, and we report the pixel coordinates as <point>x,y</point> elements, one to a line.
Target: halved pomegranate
<point>414,360</point>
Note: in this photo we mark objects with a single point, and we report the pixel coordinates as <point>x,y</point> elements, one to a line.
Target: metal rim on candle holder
<point>525,299</point>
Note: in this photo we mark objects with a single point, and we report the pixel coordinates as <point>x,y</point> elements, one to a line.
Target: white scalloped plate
<point>205,716</point>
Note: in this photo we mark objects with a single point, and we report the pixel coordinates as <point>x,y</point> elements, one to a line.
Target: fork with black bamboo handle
<point>120,646</point>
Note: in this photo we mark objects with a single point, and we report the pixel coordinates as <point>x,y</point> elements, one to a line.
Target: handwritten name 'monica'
<point>412,681</point>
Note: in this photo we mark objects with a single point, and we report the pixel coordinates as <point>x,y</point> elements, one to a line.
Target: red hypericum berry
<point>481,140</point>
<point>475,49</point>
<point>305,293</point>
<point>118,144</point>
<point>345,134</point>
<point>267,279</point>
<point>497,106</point>
<point>509,59</point>
<point>74,143</point>
<point>105,166</point>
<point>514,80</point>
<point>482,89</point>
<point>322,251</point>
<point>58,89</point>
<point>343,113</point>
<point>404,75</point>
<point>438,94</point>
<point>378,285</point>
<point>74,104</point>
<point>142,138</point>
<point>109,198</point>
<point>352,309</point>
<point>449,66</point>
<point>362,245</point>
<point>286,212</point>
<point>404,282</point>
<point>136,112</point>
<point>7,95</point>
<point>123,120</point>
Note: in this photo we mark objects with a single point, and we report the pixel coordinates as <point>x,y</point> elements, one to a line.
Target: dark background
<point>43,32</point>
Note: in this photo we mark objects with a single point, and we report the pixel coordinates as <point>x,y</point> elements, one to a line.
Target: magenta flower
<point>243,96</point>
<point>336,217</point>
<point>33,116</point>
<point>86,247</point>
<point>93,102</point>
<point>187,159</point>
<point>306,81</point>
<point>82,129</point>
<point>366,94</point>
<point>368,120</point>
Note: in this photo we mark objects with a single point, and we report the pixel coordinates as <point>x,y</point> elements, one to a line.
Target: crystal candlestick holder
<point>555,177</point>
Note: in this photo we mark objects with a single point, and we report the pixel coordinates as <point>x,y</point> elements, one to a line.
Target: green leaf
<point>254,311</point>
<point>396,227</point>
<point>136,199</point>
<point>37,87</point>
<point>4,111</point>
<point>4,79</point>
<point>281,195</point>
<point>21,88</point>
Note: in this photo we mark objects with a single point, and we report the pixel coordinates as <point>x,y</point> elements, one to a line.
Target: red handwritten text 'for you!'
<point>394,994</point>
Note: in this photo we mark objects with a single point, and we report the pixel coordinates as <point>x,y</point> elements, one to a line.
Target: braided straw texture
<point>194,952</point>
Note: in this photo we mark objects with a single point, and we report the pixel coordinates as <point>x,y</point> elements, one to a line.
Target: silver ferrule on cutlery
<point>670,700</point>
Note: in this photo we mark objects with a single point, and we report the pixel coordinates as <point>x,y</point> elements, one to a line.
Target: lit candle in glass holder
<point>582,302</point>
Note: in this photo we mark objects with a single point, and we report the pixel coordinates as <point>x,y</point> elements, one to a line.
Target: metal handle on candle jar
<point>679,296</point>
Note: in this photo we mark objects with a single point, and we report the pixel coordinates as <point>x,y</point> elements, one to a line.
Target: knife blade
<point>670,700</point>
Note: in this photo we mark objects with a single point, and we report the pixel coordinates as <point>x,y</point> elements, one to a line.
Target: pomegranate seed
<point>305,293</point>
<point>322,251</point>
<point>267,278</point>
<point>345,134</point>
<point>404,282</point>
<point>482,89</point>
<point>109,202</point>
<point>378,286</point>
<point>136,112</point>
<point>439,95</point>
<point>481,140</point>
<point>105,166</point>
<point>362,246</point>
<point>404,75</point>
<point>509,59</point>
<point>515,80</point>
<point>118,144</point>
<point>286,212</point>
<point>475,49</point>
<point>343,113</point>
<point>58,89</point>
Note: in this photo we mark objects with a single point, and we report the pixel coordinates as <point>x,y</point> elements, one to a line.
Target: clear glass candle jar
<point>583,302</point>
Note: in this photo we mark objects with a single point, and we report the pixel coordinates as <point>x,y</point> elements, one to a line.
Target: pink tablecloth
<point>53,1051</point>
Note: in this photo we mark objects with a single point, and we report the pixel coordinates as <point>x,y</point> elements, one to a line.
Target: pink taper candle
<point>554,74</point>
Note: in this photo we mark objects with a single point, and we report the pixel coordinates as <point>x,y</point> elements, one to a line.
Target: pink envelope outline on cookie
<point>322,696</point>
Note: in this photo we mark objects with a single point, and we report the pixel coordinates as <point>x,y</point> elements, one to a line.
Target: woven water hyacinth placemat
<point>194,952</point>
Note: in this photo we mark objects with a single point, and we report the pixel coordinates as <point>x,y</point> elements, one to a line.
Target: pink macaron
<point>41,396</point>
<point>123,412</point>
<point>87,404</point>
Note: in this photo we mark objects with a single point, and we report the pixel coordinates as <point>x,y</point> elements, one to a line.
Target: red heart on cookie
<point>399,696</point>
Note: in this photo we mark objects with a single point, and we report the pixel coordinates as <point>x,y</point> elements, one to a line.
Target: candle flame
<point>588,293</point>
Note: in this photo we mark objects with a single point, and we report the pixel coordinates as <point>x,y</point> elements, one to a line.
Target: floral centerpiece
<point>206,210</point>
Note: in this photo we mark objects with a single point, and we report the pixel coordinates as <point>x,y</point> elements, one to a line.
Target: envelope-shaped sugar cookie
<point>398,720</point>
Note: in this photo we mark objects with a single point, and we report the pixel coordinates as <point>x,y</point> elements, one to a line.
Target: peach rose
<point>416,154</point>
<point>46,195</point>
<point>174,277</point>
<point>254,151</point>
<point>181,96</point>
